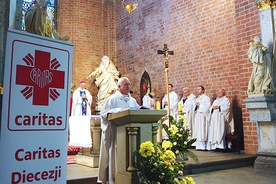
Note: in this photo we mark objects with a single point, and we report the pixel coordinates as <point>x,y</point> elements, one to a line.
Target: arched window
<point>145,85</point>
<point>26,4</point>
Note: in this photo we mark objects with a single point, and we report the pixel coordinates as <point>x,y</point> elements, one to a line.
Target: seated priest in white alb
<point>117,102</point>
<point>220,122</point>
<point>79,121</point>
<point>148,99</point>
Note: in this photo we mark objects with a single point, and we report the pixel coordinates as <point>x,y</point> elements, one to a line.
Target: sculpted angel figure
<point>106,79</point>
<point>39,21</point>
<point>261,78</point>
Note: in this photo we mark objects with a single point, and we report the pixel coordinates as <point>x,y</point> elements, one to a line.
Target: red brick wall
<point>248,26</point>
<point>90,26</point>
<point>210,41</point>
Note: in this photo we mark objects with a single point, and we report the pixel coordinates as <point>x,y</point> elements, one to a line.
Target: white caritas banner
<point>35,109</point>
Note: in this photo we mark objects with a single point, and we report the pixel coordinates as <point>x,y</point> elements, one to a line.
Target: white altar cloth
<point>79,129</point>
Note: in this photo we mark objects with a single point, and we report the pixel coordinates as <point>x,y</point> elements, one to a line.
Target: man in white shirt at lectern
<point>118,101</point>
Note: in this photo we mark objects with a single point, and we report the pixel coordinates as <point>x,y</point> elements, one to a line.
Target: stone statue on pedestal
<point>261,78</point>
<point>39,21</point>
<point>106,79</point>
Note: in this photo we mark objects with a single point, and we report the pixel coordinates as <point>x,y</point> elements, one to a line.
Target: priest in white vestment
<point>173,101</point>
<point>201,108</point>
<point>220,122</point>
<point>188,107</point>
<point>117,102</point>
<point>79,121</point>
<point>148,99</point>
<point>82,100</point>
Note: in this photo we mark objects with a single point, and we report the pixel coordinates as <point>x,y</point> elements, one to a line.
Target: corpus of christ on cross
<point>166,52</point>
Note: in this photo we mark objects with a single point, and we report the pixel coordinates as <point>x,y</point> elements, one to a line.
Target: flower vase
<point>183,156</point>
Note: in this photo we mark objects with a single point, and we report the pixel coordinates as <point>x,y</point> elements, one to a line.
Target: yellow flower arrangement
<point>166,145</point>
<point>146,149</point>
<point>173,129</point>
<point>180,136</point>
<point>156,164</point>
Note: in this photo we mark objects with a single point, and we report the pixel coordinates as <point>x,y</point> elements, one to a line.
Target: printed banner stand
<point>35,109</point>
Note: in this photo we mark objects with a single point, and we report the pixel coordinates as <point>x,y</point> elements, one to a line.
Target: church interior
<point>210,40</point>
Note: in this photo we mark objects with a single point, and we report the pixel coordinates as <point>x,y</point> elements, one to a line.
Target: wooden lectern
<point>133,128</point>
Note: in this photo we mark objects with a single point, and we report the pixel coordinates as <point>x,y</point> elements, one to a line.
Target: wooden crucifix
<point>166,52</point>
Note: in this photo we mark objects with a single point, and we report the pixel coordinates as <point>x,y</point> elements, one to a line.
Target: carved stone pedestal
<point>90,156</point>
<point>266,160</point>
<point>262,111</point>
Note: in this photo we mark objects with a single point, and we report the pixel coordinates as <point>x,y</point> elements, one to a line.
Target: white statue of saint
<point>106,79</point>
<point>261,78</point>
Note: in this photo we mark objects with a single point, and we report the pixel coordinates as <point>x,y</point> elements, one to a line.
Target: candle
<point>158,105</point>
<point>180,105</point>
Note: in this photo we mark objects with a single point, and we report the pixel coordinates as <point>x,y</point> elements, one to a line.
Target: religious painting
<point>145,85</point>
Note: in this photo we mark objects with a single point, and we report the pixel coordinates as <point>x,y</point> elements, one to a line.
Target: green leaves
<point>179,134</point>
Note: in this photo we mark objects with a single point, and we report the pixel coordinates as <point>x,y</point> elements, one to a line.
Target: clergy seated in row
<point>79,121</point>
<point>115,103</point>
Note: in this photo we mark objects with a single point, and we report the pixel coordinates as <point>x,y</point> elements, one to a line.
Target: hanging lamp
<point>130,5</point>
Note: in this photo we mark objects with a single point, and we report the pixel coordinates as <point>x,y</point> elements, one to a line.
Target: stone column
<point>267,16</point>
<point>4,25</point>
<point>155,130</point>
<point>261,107</point>
<point>109,29</point>
<point>262,111</point>
<point>132,146</point>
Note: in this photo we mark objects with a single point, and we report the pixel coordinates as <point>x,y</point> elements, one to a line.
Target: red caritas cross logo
<point>40,77</point>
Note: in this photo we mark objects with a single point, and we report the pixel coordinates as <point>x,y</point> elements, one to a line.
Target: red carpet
<point>71,159</point>
<point>72,154</point>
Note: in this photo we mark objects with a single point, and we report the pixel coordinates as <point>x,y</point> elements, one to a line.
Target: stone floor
<point>215,168</point>
<point>241,175</point>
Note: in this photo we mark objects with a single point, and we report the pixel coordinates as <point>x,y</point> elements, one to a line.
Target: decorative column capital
<point>265,4</point>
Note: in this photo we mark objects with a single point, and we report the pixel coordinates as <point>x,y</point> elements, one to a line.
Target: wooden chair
<point>234,138</point>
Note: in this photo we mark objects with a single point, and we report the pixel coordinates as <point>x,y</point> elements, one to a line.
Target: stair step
<point>210,161</point>
<point>219,165</point>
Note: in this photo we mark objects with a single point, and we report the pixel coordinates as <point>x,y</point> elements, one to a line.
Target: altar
<point>89,156</point>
